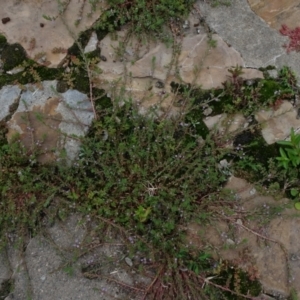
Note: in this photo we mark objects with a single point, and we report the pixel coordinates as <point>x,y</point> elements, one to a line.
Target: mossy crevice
<point>6,288</point>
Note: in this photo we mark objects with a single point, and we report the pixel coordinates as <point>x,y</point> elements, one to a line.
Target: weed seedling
<point>290,154</point>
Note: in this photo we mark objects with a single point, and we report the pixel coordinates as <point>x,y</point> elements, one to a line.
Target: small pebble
<point>128,261</point>
<point>207,111</point>
<point>250,82</point>
<point>230,242</point>
<point>298,113</point>
<point>294,257</point>
<point>159,84</point>
<point>186,24</point>
<point>103,58</point>
<point>5,20</point>
<point>239,221</point>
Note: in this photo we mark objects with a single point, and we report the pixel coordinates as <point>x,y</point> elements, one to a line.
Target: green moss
<point>49,73</point>
<point>6,79</point>
<point>254,145</point>
<point>3,132</point>
<point>93,54</point>
<point>271,89</point>
<point>12,56</point>
<point>3,42</point>
<point>265,70</point>
<point>83,39</point>
<point>39,73</point>
<point>195,120</point>
<point>81,80</point>
<point>102,100</point>
<point>251,156</point>
<point>218,106</point>
<point>62,86</point>
<point>31,73</point>
<point>6,288</point>
<point>237,281</point>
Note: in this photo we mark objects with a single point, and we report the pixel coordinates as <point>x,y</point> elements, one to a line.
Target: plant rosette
<point>291,153</point>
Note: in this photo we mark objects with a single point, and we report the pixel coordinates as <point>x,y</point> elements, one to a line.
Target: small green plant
<point>145,173</point>
<point>216,3</point>
<point>25,190</point>
<point>211,42</point>
<point>290,159</point>
<point>147,17</point>
<point>142,214</point>
<point>290,154</point>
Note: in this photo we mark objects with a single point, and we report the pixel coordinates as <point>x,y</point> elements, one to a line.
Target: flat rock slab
<point>141,67</point>
<point>197,62</point>
<point>53,266</point>
<point>46,39</point>
<point>277,12</point>
<point>276,124</point>
<point>267,250</point>
<point>9,95</point>
<point>258,43</point>
<point>276,255</point>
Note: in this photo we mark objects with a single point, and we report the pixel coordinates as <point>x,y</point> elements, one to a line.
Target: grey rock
<point>92,43</point>
<point>62,116</point>
<point>128,261</point>
<point>8,96</point>
<point>51,267</point>
<point>240,27</point>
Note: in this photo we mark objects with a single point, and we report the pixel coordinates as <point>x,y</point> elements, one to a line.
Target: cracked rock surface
<point>258,43</point>
<point>35,25</point>
<point>39,110</point>
<point>247,35</point>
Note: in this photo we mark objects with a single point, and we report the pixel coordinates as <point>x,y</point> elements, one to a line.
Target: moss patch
<point>12,56</point>
<point>237,281</point>
<point>6,288</point>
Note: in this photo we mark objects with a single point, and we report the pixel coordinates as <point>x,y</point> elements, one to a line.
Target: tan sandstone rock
<point>277,124</point>
<point>277,12</point>
<point>40,37</point>
<point>143,65</point>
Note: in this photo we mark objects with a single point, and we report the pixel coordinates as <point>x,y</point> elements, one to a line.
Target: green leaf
<point>143,213</point>
<point>294,192</point>
<point>292,152</point>
<point>204,256</point>
<point>293,136</point>
<point>283,154</point>
<point>285,143</point>
<point>297,139</point>
<point>48,18</point>
<point>297,205</point>
<point>285,165</point>
<point>295,162</point>
<point>282,162</point>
